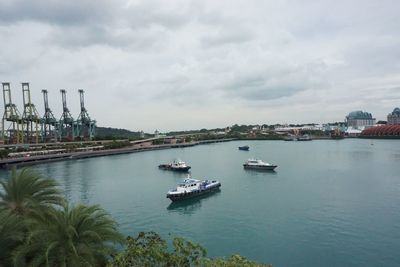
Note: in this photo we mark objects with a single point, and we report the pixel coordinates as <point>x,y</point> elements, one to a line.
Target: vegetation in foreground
<point>39,228</point>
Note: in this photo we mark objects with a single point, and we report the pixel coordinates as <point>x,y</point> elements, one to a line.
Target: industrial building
<point>30,127</point>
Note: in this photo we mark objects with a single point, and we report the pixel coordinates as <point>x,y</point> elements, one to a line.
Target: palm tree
<point>71,236</point>
<point>28,190</point>
<point>11,235</point>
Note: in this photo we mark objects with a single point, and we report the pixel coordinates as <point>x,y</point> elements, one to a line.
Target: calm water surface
<point>329,203</point>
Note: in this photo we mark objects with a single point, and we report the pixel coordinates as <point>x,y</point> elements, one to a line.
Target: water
<point>330,203</point>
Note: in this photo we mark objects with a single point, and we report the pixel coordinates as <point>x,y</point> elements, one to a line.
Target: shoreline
<point>34,160</point>
<point>41,159</point>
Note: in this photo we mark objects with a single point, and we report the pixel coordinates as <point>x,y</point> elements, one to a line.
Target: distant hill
<point>115,133</point>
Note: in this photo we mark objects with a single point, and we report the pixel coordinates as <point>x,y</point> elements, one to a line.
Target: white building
<point>394,117</point>
<point>360,120</point>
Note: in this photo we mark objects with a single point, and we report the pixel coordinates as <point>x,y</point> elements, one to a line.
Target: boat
<point>305,137</point>
<point>176,165</point>
<point>246,148</point>
<point>259,165</point>
<point>289,138</point>
<point>191,188</point>
<point>337,137</point>
<point>337,134</point>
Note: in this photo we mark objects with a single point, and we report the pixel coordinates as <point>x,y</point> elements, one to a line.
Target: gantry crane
<point>50,125</point>
<point>13,132</point>
<point>30,117</point>
<point>86,126</point>
<point>68,127</point>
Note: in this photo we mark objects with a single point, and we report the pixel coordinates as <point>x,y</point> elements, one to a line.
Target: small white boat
<point>305,137</point>
<point>259,165</point>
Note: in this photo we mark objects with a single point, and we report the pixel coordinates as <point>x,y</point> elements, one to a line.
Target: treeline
<point>38,227</point>
<point>173,133</point>
<point>108,133</point>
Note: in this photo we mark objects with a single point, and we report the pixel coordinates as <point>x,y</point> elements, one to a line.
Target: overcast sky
<point>175,65</point>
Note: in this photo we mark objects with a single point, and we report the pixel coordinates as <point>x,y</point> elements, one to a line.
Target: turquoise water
<point>329,203</point>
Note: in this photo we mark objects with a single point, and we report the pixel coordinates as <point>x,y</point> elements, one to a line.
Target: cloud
<point>57,12</point>
<point>220,62</point>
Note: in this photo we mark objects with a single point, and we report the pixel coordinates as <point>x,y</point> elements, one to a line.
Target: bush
<point>149,249</point>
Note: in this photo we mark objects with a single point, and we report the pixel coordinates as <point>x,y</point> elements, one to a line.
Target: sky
<point>189,64</point>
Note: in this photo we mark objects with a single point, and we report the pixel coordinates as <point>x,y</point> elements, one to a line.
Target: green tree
<point>149,249</point>
<point>26,190</point>
<point>232,261</point>
<point>71,236</point>
<point>11,235</point>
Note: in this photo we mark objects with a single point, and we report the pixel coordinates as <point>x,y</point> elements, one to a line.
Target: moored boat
<point>289,138</point>
<point>246,148</point>
<point>177,165</point>
<point>191,188</point>
<point>305,137</point>
<point>258,165</point>
<point>337,134</point>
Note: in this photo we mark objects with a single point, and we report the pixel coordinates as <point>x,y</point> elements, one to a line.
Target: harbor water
<point>329,203</point>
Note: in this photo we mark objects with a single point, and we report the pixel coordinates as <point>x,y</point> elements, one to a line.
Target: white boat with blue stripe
<point>191,188</point>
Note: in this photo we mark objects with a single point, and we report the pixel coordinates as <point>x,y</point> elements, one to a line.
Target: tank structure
<point>12,124</point>
<point>68,126</point>
<point>31,128</point>
<point>50,125</point>
<point>86,126</point>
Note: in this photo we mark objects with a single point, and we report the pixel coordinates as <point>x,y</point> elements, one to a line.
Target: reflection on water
<point>256,172</point>
<point>74,178</point>
<point>180,175</point>
<point>189,206</point>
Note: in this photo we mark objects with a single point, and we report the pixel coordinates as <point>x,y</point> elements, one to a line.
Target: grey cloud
<point>86,23</point>
<point>271,84</point>
<point>263,88</point>
<point>150,13</point>
<point>227,36</point>
<point>57,12</point>
<point>73,37</point>
<point>181,90</point>
<point>153,56</point>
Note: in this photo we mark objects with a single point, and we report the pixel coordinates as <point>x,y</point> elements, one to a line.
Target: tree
<point>27,190</point>
<point>232,261</point>
<point>149,249</point>
<point>71,236</point>
<point>11,235</point>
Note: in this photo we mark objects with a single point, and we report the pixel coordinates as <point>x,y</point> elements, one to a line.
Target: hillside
<point>115,133</point>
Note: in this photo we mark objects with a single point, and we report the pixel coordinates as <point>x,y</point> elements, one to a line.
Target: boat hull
<point>171,168</point>
<point>304,139</point>
<point>194,194</point>
<point>255,167</point>
<point>245,148</point>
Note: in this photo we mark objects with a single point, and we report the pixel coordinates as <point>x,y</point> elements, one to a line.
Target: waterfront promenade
<point>32,160</point>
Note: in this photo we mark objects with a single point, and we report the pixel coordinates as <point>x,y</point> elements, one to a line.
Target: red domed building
<point>385,131</point>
